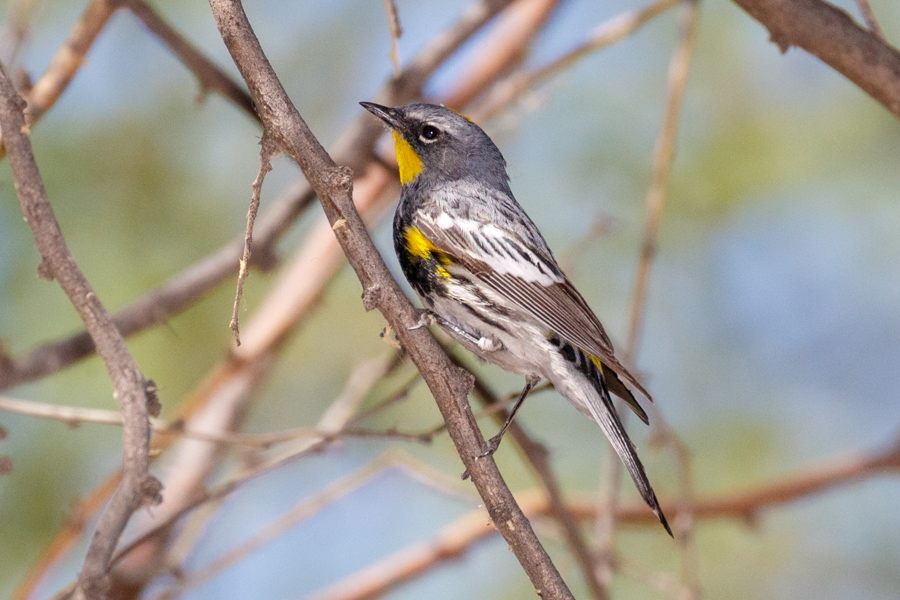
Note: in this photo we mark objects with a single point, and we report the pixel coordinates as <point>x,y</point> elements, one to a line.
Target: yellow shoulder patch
<point>409,161</point>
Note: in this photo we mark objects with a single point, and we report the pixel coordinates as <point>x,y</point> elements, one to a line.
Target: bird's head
<point>434,141</point>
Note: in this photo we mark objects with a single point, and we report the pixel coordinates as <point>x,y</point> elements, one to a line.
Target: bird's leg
<point>427,317</point>
<point>494,442</point>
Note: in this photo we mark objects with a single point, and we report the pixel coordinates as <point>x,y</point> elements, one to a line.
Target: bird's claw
<point>492,445</point>
<point>426,319</point>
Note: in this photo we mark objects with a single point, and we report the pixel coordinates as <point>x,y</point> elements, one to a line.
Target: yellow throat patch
<point>409,161</point>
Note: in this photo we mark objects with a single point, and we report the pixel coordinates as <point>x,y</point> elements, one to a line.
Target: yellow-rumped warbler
<point>487,277</point>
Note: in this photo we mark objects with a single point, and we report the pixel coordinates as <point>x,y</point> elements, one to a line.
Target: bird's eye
<point>429,133</point>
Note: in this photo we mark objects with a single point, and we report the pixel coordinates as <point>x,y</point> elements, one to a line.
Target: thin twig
<point>231,485</point>
<point>298,514</point>
<point>869,16</point>
<point>75,416</point>
<point>212,495</point>
<point>131,389</point>
<point>66,62</point>
<point>611,32</point>
<point>520,24</point>
<point>191,464</point>
<point>393,17</point>
<point>265,155</point>
<point>209,76</point>
<point>656,197</point>
<point>662,167</point>
<point>71,55</point>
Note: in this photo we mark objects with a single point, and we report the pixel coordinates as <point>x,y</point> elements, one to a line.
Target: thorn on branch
<point>780,40</point>
<point>466,382</point>
<point>154,406</point>
<point>340,177</point>
<point>152,488</point>
<point>44,270</point>
<point>372,296</point>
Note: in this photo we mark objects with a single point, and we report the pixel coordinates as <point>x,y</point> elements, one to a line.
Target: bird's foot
<point>492,445</point>
<point>426,318</point>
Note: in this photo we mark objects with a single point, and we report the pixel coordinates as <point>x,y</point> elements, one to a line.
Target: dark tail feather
<point>618,388</point>
<point>604,413</point>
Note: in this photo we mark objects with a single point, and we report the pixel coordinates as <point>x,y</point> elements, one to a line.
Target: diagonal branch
<point>131,389</point>
<point>448,384</point>
<point>354,149</point>
<point>537,457</point>
<point>832,35</point>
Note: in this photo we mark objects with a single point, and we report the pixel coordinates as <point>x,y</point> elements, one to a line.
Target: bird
<point>487,277</point>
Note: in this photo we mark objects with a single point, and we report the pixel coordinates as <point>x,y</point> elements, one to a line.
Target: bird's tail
<point>600,407</point>
<point>604,413</point>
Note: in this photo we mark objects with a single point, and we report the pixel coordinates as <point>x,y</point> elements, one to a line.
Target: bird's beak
<point>388,115</point>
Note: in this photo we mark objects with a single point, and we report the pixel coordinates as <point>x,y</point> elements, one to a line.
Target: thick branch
<point>832,35</point>
<point>130,387</point>
<point>448,385</point>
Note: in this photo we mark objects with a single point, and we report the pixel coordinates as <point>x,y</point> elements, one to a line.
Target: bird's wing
<point>526,275</point>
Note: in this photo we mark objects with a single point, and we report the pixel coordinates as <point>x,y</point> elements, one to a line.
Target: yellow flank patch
<point>417,244</point>
<point>421,247</point>
<point>409,161</point>
<point>597,362</point>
